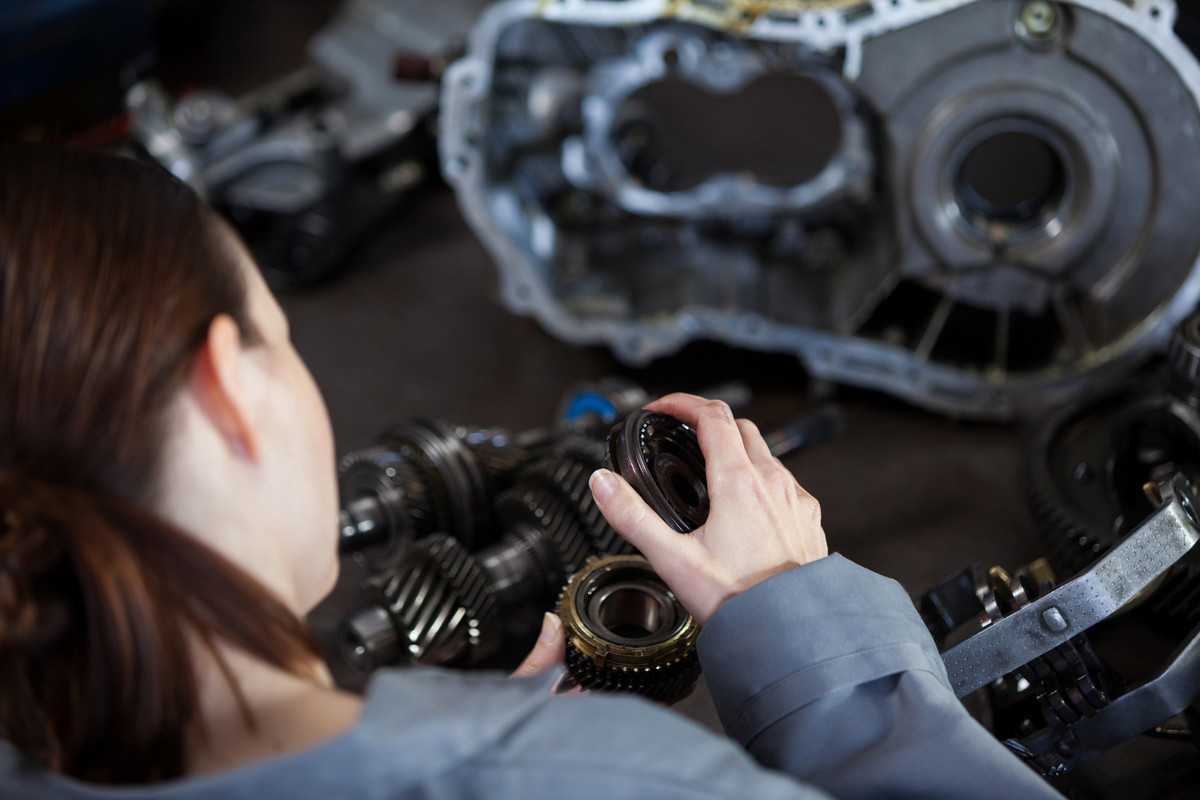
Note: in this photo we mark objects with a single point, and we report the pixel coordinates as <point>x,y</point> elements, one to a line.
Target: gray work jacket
<point>825,674</point>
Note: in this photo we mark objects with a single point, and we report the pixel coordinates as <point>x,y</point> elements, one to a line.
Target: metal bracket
<point>1079,604</point>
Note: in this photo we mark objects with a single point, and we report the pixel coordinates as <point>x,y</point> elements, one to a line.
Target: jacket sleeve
<point>827,673</point>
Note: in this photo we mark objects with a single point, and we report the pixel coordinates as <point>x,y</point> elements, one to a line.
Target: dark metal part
<point>1087,466</point>
<point>418,478</point>
<point>1097,594</point>
<point>440,608</point>
<point>626,631</point>
<point>660,458</point>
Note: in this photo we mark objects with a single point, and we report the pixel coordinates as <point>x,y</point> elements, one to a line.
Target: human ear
<point>218,384</point>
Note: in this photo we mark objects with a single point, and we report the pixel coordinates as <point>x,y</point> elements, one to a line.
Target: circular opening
<point>685,490</point>
<point>1011,177</point>
<point>630,613</point>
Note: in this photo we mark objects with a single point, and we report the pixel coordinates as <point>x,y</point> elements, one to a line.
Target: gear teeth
<point>442,604</point>
<point>552,496</point>
<point>452,473</point>
<point>658,682</point>
<point>380,469</point>
<point>660,666</point>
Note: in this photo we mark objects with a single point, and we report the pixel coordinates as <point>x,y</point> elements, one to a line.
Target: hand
<point>760,521</point>
<point>548,651</point>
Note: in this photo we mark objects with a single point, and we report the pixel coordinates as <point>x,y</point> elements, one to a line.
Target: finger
<point>631,517</point>
<point>718,433</point>
<point>756,447</point>
<point>550,649</point>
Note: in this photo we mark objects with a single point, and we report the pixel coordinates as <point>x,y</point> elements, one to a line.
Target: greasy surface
<point>414,327</point>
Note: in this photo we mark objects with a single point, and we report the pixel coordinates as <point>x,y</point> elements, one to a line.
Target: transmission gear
<point>626,631</point>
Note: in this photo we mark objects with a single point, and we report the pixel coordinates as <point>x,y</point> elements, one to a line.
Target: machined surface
<point>987,211</point>
<point>1095,595</point>
<point>626,631</point>
<point>660,457</point>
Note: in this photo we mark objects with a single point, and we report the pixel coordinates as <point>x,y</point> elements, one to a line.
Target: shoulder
<point>475,734</point>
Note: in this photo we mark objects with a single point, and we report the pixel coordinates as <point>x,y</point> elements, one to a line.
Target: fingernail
<point>603,483</point>
<point>551,625</point>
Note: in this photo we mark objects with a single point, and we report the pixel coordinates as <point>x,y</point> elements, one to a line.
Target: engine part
<point>660,458</point>
<point>438,609</point>
<point>626,631</point>
<point>306,166</point>
<point>980,207</point>
<point>549,524</point>
<point>1032,646</point>
<point>1087,464</point>
<point>519,512</point>
<point>418,478</point>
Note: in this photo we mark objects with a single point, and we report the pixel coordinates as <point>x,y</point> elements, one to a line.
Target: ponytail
<point>101,606</point>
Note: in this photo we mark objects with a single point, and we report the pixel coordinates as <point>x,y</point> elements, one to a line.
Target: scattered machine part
<point>626,631</point>
<point>440,600</point>
<point>1051,696</point>
<point>660,458</point>
<point>418,478</point>
<point>440,592</point>
<point>520,517</point>
<point>1087,464</point>
<point>939,218</point>
<point>307,165</point>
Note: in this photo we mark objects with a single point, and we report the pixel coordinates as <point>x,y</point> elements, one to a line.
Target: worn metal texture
<point>980,207</point>
<point>1069,610</point>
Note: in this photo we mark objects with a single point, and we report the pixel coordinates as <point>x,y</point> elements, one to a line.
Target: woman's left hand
<point>548,652</point>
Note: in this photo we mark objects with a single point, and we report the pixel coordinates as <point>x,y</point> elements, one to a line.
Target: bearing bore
<point>661,458</point>
<point>626,631</point>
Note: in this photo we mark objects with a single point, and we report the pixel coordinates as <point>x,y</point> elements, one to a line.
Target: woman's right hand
<point>760,522</point>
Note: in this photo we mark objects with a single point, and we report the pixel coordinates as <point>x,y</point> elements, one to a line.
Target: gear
<point>661,458</point>
<point>452,473</point>
<point>440,604</point>
<point>626,630</point>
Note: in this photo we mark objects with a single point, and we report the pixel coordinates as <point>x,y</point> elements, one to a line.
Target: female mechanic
<point>167,516</point>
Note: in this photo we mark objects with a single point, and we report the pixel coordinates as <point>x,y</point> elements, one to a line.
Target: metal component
<point>1023,238</point>
<point>660,457</point>
<point>439,605</point>
<point>419,478</point>
<point>810,430</point>
<point>626,631</point>
<point>551,525</point>
<point>1089,465</point>
<point>1053,619</point>
<point>1096,594</point>
<point>520,513</point>
<point>309,164</point>
<point>1040,19</point>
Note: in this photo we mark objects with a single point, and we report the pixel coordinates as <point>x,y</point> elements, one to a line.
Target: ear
<point>218,384</point>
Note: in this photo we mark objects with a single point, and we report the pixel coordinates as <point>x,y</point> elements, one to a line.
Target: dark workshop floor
<point>415,328</point>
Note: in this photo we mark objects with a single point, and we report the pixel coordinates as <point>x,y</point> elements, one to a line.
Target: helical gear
<point>440,604</point>
<point>626,631</point>
<point>553,495</point>
<point>452,473</point>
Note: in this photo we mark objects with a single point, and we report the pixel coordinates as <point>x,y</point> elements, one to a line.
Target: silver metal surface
<point>1000,218</point>
<point>1094,595</point>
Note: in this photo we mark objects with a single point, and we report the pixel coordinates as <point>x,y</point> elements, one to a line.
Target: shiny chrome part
<point>979,206</point>
<point>1098,593</point>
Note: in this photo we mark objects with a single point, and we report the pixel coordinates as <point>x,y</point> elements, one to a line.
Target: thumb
<point>628,513</point>
<point>549,651</point>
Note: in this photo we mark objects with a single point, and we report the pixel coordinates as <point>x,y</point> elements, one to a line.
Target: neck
<point>287,712</point>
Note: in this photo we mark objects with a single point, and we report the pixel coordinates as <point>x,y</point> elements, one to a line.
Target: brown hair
<point>110,274</point>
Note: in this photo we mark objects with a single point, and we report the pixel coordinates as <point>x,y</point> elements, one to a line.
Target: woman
<point>167,516</point>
